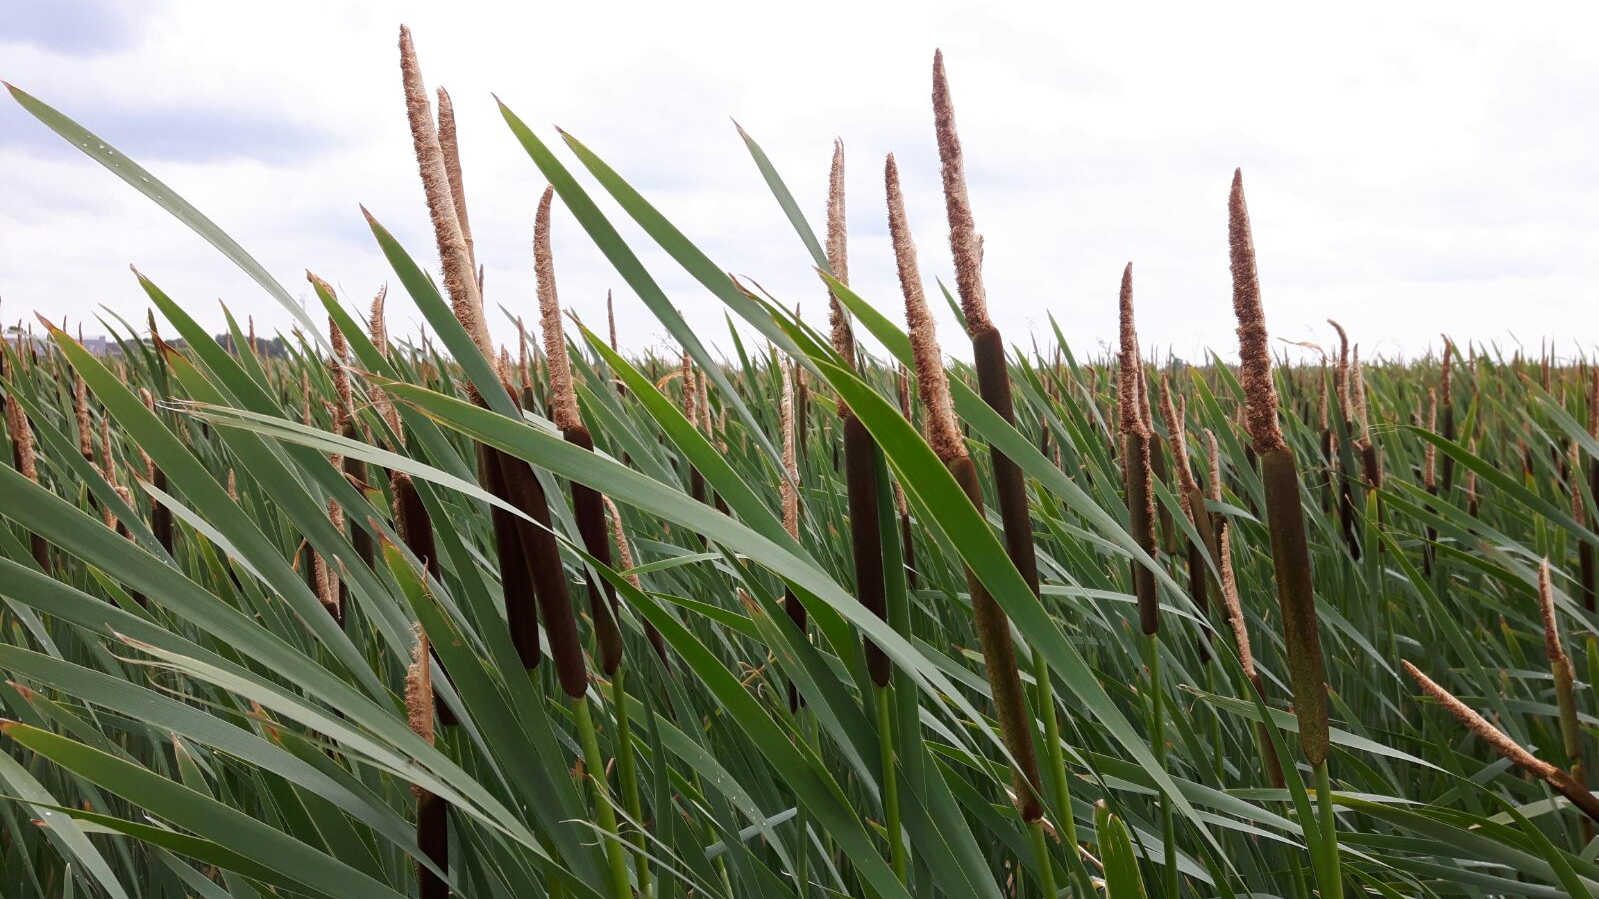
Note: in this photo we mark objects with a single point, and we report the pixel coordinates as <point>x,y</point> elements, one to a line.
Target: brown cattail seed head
<point>460,279</point>
<point>419,688</point>
<point>1341,373</point>
<point>563,398</point>
<point>931,381</point>
<point>838,258</point>
<point>964,241</point>
<point>1551,626</point>
<point>23,454</point>
<point>1479,726</point>
<point>451,147</point>
<point>789,487</point>
<point>1429,463</point>
<point>1254,349</point>
<point>1129,383</point>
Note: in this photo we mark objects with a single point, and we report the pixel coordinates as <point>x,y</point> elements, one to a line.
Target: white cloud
<point>1411,169</point>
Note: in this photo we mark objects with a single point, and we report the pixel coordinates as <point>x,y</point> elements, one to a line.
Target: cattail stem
<point>627,773</point>
<point>621,886</point>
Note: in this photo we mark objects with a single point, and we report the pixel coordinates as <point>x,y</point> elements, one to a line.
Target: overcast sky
<point>1411,168</point>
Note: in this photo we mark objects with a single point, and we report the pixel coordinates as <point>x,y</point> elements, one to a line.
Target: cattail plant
<point>1286,523</point>
<point>1136,437</point>
<point>944,436</point>
<point>530,559</point>
<point>860,451</point>
<point>588,508</point>
<point>1138,447</point>
<point>1507,748</point>
<point>788,489</point>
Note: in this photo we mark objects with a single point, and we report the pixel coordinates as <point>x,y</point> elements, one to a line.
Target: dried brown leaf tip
<point>1129,381</point>
<point>460,277</point>
<point>838,256</point>
<point>563,397</point>
<point>932,383</point>
<point>964,242</point>
<point>1254,349</point>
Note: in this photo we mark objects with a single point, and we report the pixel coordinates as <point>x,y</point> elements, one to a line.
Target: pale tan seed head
<point>148,398</point>
<point>460,277</point>
<point>1129,377</point>
<point>1224,565</point>
<point>1341,374</point>
<point>1593,405</point>
<point>1429,459</point>
<point>1175,415</point>
<point>1551,625</point>
<point>1444,380</point>
<point>931,381</point>
<point>1574,466</point>
<point>838,257</point>
<point>563,397</point>
<point>1357,389</point>
<point>419,687</point>
<point>690,393</point>
<point>450,145</point>
<point>789,487</point>
<point>964,242</point>
<point>624,547</point>
<point>23,452</point>
<point>1478,725</point>
<point>1254,348</point>
<point>254,346</point>
<point>80,409</point>
<point>377,320</point>
<point>610,317</point>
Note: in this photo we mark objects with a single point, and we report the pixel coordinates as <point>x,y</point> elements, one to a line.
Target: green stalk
<point>1046,866</point>
<point>1157,733</point>
<point>1332,884</point>
<point>621,887</point>
<point>896,834</point>
<point>627,771</point>
<point>1059,782</point>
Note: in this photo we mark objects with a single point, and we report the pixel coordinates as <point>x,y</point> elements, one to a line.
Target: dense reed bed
<point>382,616</point>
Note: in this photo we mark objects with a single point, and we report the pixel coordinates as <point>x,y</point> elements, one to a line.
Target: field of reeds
<point>375,616</point>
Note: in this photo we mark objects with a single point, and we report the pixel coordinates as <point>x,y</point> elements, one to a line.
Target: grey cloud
<point>178,134</point>
<point>73,27</point>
